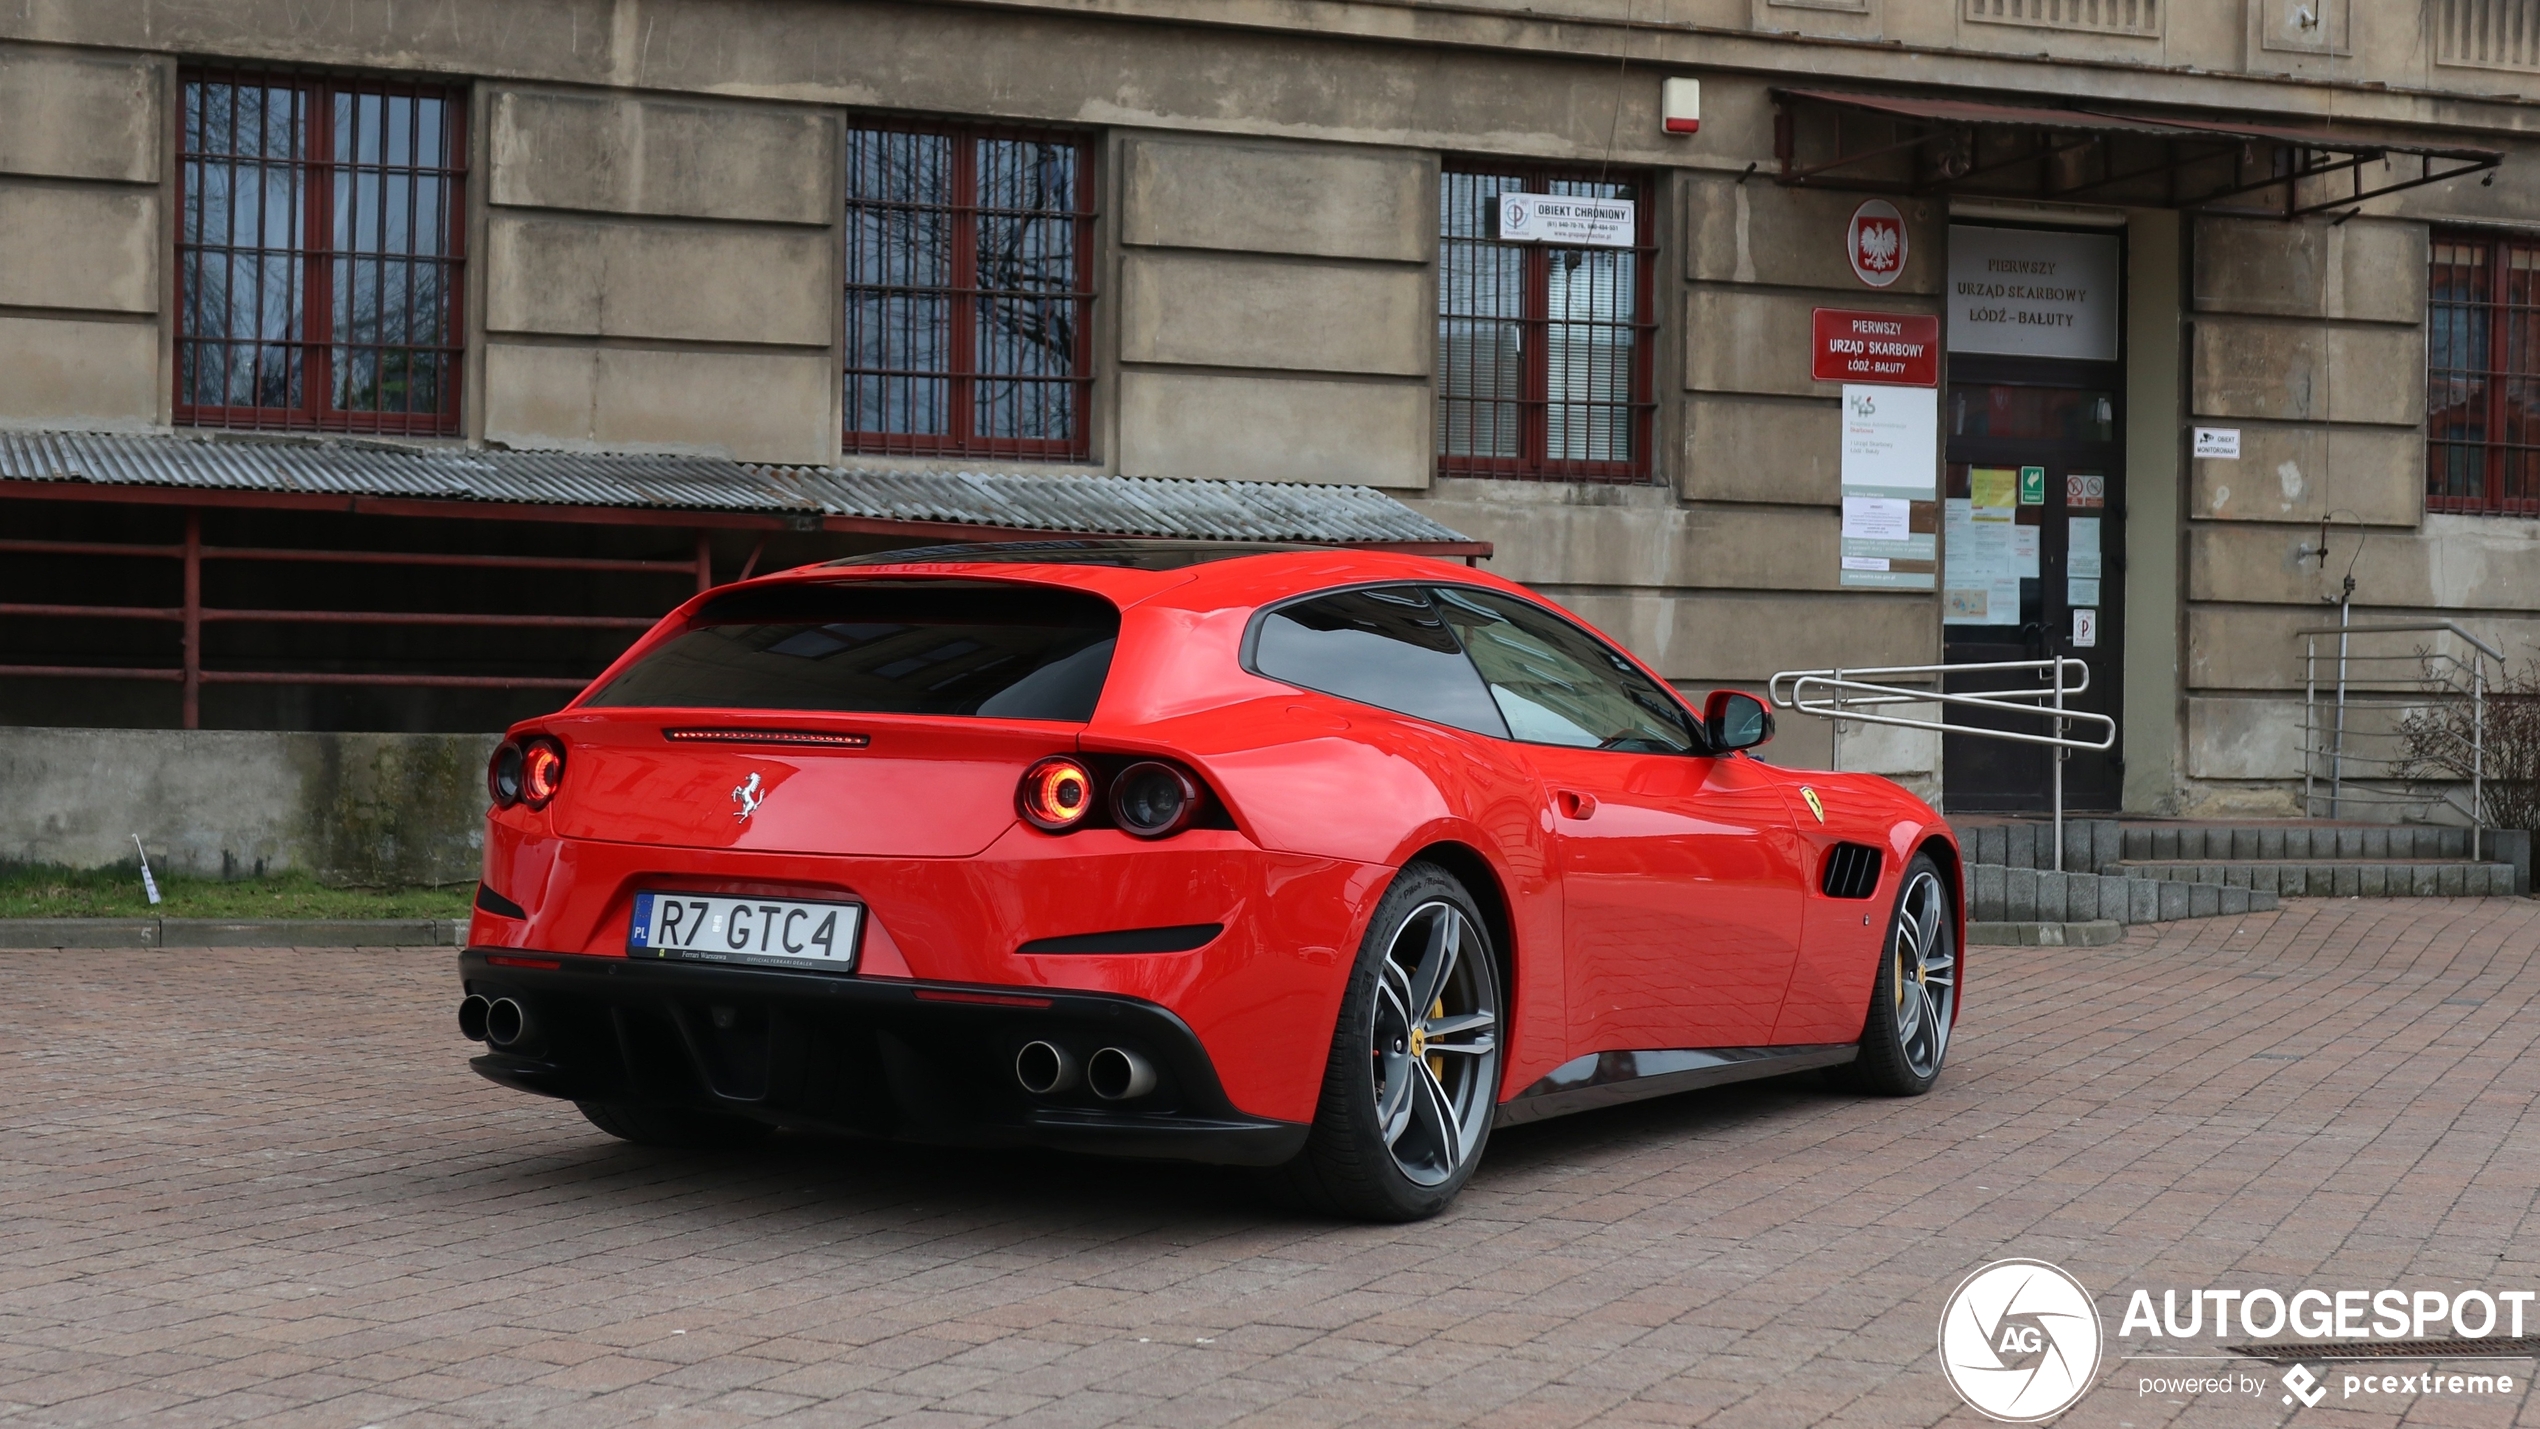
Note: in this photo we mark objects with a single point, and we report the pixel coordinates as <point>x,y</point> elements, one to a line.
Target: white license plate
<point>783,931</point>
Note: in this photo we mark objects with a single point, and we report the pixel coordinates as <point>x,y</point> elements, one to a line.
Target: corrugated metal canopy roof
<point>925,502</point>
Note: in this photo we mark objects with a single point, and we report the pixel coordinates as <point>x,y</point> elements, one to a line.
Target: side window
<point>1556,684</point>
<point>1386,647</point>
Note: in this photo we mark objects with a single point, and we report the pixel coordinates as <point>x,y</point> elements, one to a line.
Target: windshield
<point>983,649</point>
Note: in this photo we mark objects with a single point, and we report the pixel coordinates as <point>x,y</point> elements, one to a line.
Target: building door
<point>2034,562</point>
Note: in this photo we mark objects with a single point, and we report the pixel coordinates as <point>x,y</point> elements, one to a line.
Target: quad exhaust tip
<point>506,1023</point>
<point>1045,1068</point>
<point>472,1010</point>
<point>1117,1074</point>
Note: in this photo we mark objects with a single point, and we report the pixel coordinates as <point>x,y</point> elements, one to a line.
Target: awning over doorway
<point>1880,143</point>
<point>383,479</point>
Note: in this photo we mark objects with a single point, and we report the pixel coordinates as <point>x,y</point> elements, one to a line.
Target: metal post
<point>2477,755</point>
<point>2337,751</point>
<point>1834,759</point>
<point>705,563</point>
<point>2310,723</point>
<point>193,640</point>
<point>2060,754</point>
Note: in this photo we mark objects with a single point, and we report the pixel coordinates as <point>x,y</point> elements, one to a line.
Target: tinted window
<point>885,647</point>
<point>1385,647</point>
<point>1556,684</point>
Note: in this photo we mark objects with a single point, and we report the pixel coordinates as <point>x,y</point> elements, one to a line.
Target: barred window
<point>2482,400</point>
<point>969,273</point>
<point>1543,352</point>
<point>319,253</point>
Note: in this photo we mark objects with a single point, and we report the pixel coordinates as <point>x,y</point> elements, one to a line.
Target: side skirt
<point>1612,1078</point>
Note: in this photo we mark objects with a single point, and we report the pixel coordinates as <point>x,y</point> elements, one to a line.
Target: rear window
<point>985,649</point>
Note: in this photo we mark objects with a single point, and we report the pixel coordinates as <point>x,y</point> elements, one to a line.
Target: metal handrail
<point>2477,693</point>
<point>1840,694</point>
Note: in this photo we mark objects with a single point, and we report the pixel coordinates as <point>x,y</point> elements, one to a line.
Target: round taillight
<point>502,775</point>
<point>1057,794</point>
<point>1152,800</point>
<point>541,771</point>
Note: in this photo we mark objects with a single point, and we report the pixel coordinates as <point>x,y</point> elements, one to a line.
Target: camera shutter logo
<point>2020,1341</point>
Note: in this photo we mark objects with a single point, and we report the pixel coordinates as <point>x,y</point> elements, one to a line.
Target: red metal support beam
<point>705,562</point>
<point>193,619</point>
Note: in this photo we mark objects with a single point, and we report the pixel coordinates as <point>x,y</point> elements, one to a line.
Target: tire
<point>1914,998</point>
<point>670,1126</point>
<point>1407,1101</point>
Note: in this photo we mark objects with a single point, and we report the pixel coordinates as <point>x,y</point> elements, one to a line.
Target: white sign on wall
<point>1567,222</point>
<point>2218,443</point>
<point>2030,293</point>
<point>1891,455</point>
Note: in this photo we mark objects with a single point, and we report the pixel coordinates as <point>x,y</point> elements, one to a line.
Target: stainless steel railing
<point>1860,695</point>
<point>2392,718</point>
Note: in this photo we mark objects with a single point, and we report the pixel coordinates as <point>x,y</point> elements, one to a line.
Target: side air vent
<point>1852,871</point>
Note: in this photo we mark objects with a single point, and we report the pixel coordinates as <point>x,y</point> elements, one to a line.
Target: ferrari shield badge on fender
<point>749,798</point>
<point>1815,805</point>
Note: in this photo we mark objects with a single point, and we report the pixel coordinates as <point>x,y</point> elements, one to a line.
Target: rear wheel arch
<point>1483,882</point>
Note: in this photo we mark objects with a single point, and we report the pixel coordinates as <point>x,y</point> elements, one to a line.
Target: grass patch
<point>116,893</point>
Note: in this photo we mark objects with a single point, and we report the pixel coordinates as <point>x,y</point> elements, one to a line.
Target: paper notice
<point>1877,518</point>
<point>1865,563</point>
<point>1994,486</point>
<point>2024,551</point>
<point>2081,556</point>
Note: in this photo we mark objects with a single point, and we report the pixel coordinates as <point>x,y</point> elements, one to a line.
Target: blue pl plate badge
<point>643,921</point>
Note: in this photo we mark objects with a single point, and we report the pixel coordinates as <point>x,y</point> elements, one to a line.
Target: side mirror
<point>1736,720</point>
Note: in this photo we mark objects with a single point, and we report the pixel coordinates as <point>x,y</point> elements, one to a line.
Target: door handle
<point>1573,804</point>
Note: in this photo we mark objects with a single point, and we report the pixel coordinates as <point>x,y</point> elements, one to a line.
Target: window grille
<point>2491,34</point>
<point>2482,400</point>
<point>969,278</point>
<point>2107,17</point>
<point>319,253</point>
<point>1543,352</point>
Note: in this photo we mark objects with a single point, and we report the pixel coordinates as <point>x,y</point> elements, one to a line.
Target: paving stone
<point>203,1223</point>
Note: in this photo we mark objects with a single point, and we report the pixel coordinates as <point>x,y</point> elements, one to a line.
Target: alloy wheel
<point>1435,1042</point>
<point>1926,975</point>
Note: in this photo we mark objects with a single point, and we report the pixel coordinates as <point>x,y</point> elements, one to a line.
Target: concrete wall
<point>83,236</point>
<point>2309,338</point>
<point>661,275</point>
<point>656,252</point>
<point>368,810</point>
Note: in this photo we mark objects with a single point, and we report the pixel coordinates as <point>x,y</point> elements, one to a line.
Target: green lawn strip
<point>116,893</point>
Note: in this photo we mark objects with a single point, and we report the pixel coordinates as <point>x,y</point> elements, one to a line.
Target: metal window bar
<point>1857,694</point>
<point>320,253</point>
<point>2384,735</point>
<point>193,615</point>
<point>2483,375</point>
<point>969,287</point>
<point>1543,353</point>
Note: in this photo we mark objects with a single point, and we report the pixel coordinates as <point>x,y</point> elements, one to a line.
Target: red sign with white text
<point>1899,349</point>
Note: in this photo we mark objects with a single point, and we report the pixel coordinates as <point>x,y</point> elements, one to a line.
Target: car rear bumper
<point>918,1061</point>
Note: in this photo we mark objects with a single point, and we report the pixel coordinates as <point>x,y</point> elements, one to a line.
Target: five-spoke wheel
<point>1413,1079</point>
<point>1914,999</point>
<point>1434,1042</point>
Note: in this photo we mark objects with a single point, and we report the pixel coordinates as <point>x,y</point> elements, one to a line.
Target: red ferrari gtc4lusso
<point>1275,856</point>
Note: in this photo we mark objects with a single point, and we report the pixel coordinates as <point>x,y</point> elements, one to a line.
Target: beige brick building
<point>840,249</point>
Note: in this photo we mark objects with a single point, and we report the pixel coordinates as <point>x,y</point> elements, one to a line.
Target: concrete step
<point>2251,843</point>
<point>2104,844</point>
<point>2344,878</point>
<point>2030,895</point>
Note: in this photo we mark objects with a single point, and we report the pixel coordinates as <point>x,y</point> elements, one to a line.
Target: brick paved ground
<point>261,1187</point>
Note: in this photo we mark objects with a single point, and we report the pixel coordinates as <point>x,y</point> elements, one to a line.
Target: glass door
<point>2032,566</point>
